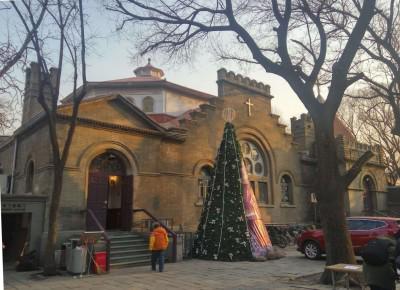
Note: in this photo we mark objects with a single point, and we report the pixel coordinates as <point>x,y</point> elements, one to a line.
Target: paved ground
<point>192,274</point>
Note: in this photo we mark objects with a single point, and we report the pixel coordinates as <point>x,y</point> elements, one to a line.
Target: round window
<point>255,155</point>
<point>253,159</point>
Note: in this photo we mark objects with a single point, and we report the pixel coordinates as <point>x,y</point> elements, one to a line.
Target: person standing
<point>157,245</point>
<point>382,276</point>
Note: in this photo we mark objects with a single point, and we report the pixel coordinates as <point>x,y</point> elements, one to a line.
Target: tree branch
<point>17,56</point>
<point>340,69</point>
<point>356,168</point>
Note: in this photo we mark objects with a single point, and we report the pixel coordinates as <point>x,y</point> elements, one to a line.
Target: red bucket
<point>101,262</point>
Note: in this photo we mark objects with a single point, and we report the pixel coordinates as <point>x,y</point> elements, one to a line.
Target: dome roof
<point>149,71</point>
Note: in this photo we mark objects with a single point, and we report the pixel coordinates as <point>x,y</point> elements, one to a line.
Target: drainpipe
<point>13,166</point>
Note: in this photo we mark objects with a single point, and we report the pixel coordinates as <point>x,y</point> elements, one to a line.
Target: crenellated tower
<point>303,132</point>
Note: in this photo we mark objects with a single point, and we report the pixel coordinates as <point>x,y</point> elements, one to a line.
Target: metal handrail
<point>105,236</point>
<point>390,213</point>
<point>173,234</point>
<point>394,212</point>
<point>379,213</point>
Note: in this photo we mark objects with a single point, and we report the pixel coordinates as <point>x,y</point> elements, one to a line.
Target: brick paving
<point>190,274</point>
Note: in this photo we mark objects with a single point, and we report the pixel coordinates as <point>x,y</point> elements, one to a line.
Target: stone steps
<point>128,250</point>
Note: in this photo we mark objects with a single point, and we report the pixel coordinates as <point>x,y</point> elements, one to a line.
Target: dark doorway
<point>369,195</point>
<point>15,231</point>
<point>109,193</point>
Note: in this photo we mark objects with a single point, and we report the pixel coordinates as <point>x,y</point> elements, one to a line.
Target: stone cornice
<point>174,135</point>
<point>23,197</point>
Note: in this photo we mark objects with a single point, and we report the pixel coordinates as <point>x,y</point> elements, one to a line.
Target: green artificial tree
<point>222,233</point>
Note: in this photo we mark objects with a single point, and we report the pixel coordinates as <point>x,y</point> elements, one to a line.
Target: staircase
<point>128,249</point>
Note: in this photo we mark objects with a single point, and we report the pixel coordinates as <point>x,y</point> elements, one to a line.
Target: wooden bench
<point>347,269</point>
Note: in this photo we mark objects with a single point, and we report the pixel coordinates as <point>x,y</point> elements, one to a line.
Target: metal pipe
<point>14,165</point>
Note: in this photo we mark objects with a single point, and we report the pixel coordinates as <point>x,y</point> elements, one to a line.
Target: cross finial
<point>249,104</point>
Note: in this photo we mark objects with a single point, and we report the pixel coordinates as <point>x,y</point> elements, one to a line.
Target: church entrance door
<point>109,193</point>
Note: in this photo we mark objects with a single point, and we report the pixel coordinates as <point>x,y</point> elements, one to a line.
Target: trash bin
<point>57,258</point>
<point>100,259</point>
<point>68,255</point>
<point>77,263</point>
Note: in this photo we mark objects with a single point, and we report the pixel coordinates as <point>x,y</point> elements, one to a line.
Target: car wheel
<point>312,250</point>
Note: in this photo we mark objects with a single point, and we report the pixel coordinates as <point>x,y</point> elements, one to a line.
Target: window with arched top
<point>204,183</point>
<point>369,194</point>
<point>148,104</point>
<point>30,171</point>
<point>286,186</point>
<point>257,168</point>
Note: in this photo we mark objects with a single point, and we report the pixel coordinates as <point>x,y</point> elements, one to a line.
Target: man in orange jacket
<point>158,244</point>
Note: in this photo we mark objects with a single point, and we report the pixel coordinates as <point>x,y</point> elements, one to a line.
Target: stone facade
<point>167,153</point>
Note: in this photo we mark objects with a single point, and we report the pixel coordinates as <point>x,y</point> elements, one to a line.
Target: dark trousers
<point>157,255</point>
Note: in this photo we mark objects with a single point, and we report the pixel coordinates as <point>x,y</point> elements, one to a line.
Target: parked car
<point>362,229</point>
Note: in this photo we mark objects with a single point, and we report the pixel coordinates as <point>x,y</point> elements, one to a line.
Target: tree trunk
<point>330,189</point>
<point>50,267</point>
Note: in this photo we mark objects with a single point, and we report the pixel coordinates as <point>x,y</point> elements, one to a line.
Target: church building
<point>146,143</point>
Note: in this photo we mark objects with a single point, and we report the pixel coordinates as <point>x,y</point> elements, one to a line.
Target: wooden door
<point>127,202</point>
<point>97,200</point>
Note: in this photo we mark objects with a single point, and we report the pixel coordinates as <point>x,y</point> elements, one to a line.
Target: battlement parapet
<point>303,117</point>
<point>352,150</point>
<point>245,82</point>
<point>351,144</point>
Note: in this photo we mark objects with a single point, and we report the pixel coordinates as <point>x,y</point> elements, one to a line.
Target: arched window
<point>257,168</point>
<point>30,171</point>
<point>286,189</point>
<point>108,163</point>
<point>369,195</point>
<point>148,104</point>
<point>204,182</point>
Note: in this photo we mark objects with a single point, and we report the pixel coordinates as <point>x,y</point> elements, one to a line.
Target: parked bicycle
<point>278,237</point>
<point>284,235</point>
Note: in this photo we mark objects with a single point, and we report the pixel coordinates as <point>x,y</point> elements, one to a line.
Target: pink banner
<point>259,239</point>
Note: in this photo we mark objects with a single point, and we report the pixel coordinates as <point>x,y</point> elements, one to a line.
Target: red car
<point>362,229</point>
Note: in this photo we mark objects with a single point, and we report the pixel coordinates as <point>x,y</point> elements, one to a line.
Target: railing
<point>389,213</point>
<point>380,213</point>
<point>172,233</point>
<point>105,236</point>
<point>145,224</point>
<point>394,213</point>
<point>187,247</point>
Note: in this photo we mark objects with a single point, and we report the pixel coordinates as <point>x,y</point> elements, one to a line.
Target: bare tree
<point>287,38</point>
<point>68,36</point>
<point>372,121</point>
<point>13,57</point>
<point>380,53</point>
<point>351,120</point>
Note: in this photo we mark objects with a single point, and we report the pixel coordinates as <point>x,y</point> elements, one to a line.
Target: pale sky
<point>110,57</point>
<point>201,75</point>
<point>112,60</point>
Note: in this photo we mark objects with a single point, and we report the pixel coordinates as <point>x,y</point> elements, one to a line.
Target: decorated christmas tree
<point>222,233</point>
